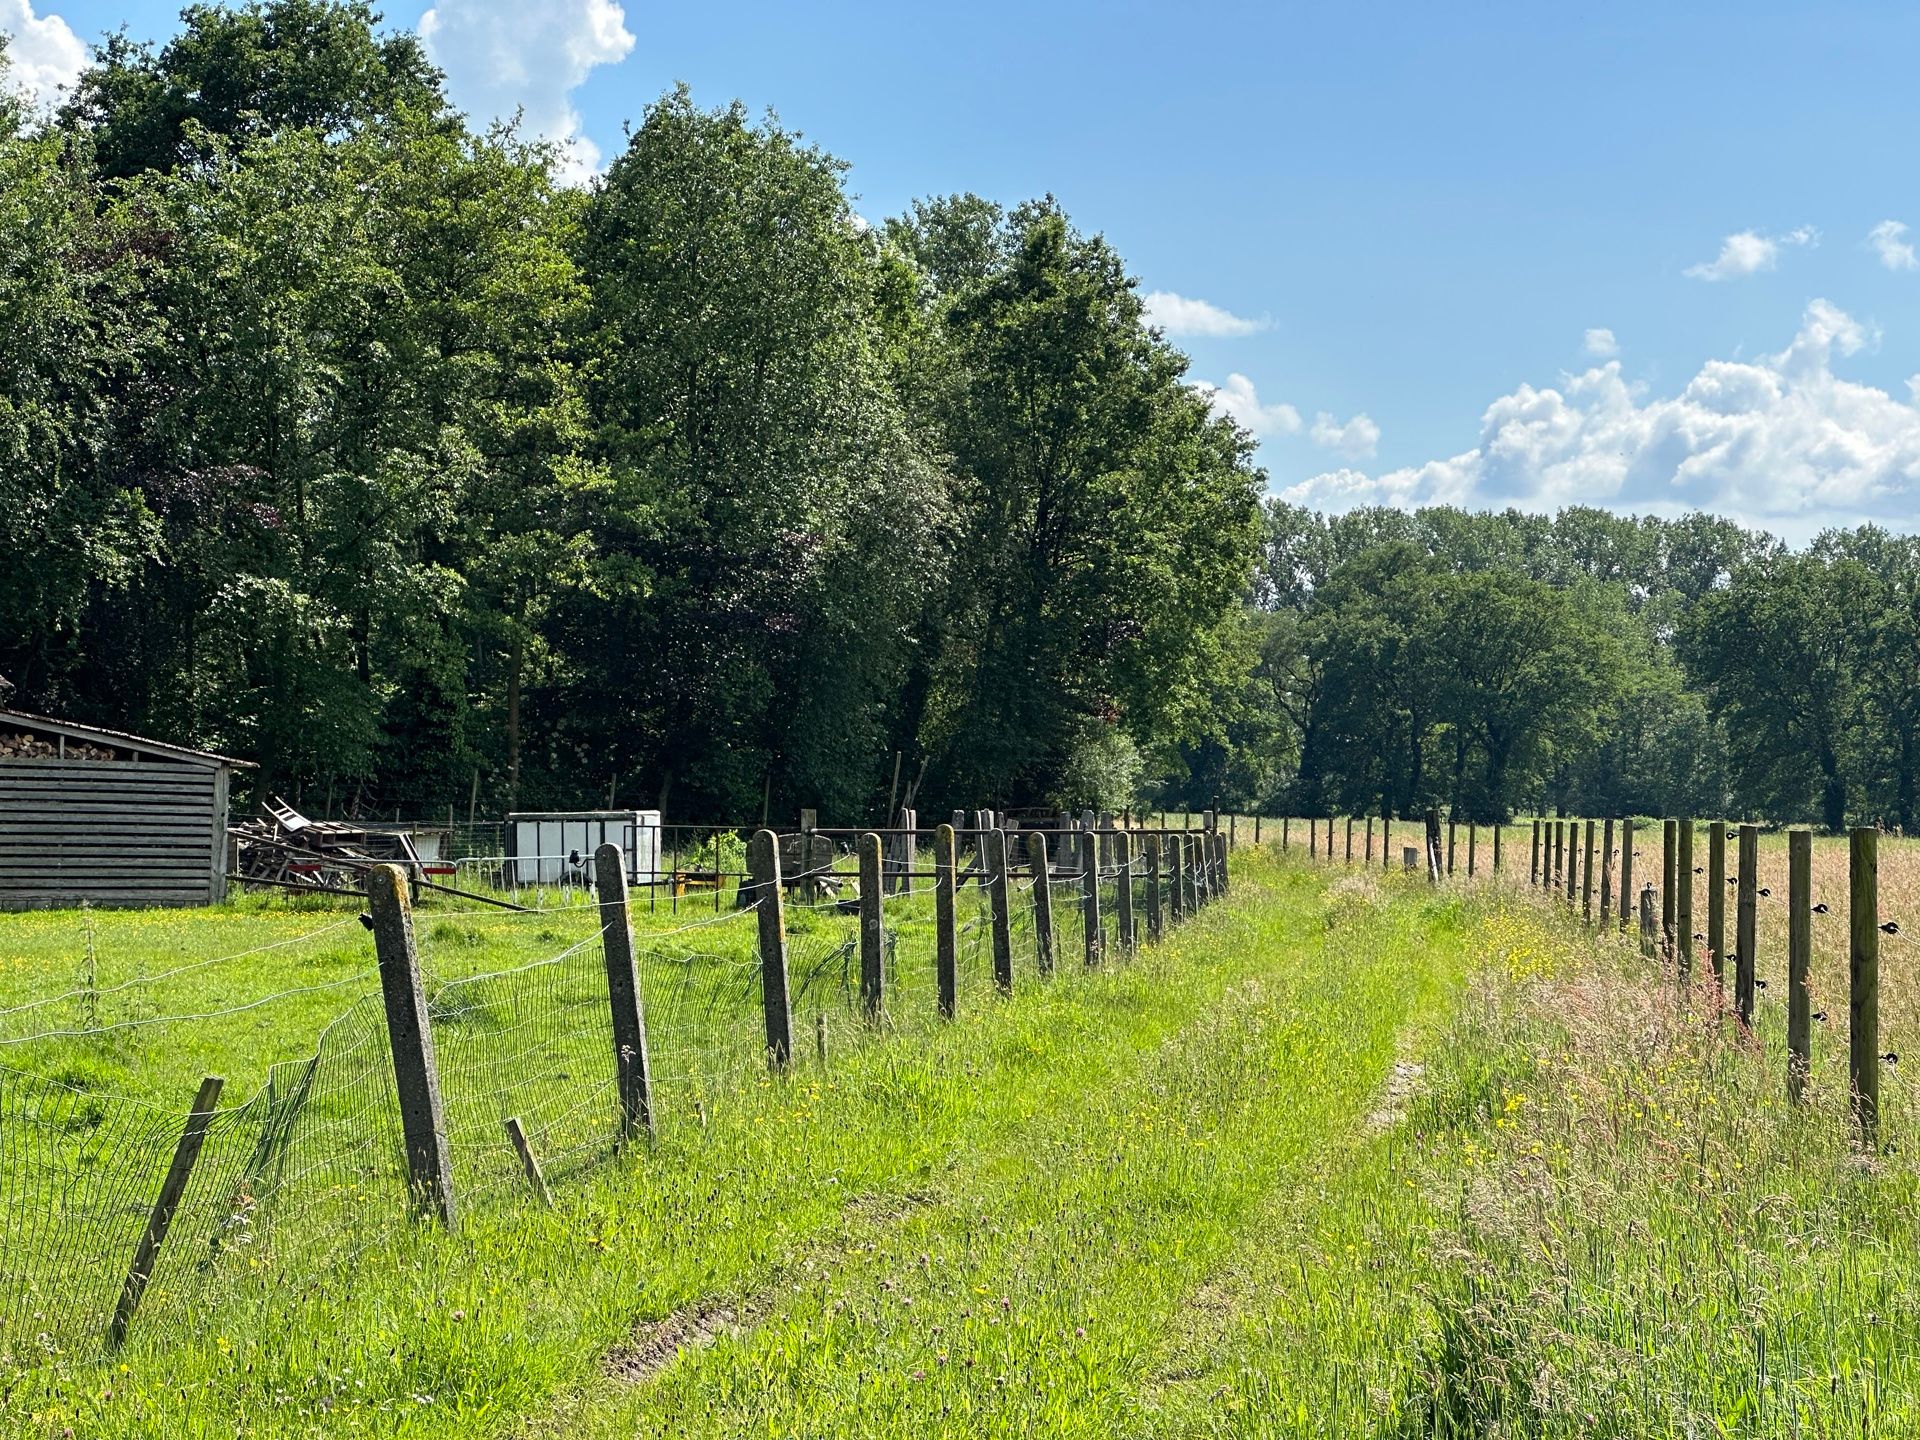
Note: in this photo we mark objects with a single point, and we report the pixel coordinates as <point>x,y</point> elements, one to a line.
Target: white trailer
<point>550,847</point>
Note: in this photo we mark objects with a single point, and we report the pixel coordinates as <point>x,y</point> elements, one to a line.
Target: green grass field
<point>1346,1155</point>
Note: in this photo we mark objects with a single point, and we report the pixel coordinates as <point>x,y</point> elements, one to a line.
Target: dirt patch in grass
<point>1402,1081</point>
<point>657,1343</point>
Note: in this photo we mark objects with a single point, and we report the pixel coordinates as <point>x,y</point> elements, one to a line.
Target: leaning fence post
<point>1606,876</point>
<point>529,1162</point>
<point>1799,958</point>
<point>1746,924</point>
<point>1152,843</point>
<point>1863,990</point>
<point>1090,896</point>
<point>945,962</point>
<point>423,1125</point>
<point>632,1072</point>
<point>872,932</point>
<point>1123,887</point>
<point>186,1152</point>
<point>994,843</point>
<point>1042,900</point>
<point>1683,894</point>
<point>1626,868</point>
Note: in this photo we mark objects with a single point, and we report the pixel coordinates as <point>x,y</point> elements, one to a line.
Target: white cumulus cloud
<point>1357,439</point>
<point>44,56</point>
<point>1238,400</point>
<point>1601,342</point>
<point>1781,441</point>
<point>1180,316</point>
<point>501,58</point>
<point>1889,241</point>
<point>1749,252</point>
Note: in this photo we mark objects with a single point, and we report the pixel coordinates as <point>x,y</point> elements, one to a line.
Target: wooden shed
<point>111,819</point>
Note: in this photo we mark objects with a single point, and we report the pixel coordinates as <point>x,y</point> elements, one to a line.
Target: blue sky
<point>1418,212</point>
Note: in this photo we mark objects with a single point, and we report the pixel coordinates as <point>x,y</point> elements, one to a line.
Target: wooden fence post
<point>1042,900</point>
<point>1669,860</point>
<point>1559,856</point>
<point>1313,838</point>
<point>1349,840</point>
<point>423,1124</point>
<point>873,937</point>
<point>1683,894</point>
<point>1746,926</point>
<point>1453,838</point>
<point>1649,941</point>
<point>994,843</point>
<point>1717,903</point>
<point>1473,846</point>
<point>1190,870</point>
<point>1123,884</point>
<point>1497,828</point>
<point>1386,840</point>
<point>1434,858</point>
<point>1369,860</point>
<point>632,1070</point>
<point>1573,861</point>
<point>1863,991</point>
<point>1606,876</point>
<point>1626,869</point>
<point>1176,861</point>
<point>1226,857</point>
<point>529,1162</point>
<point>1533,870</point>
<point>186,1153</point>
<point>1799,959</point>
<point>1152,842</point>
<point>945,946</point>
<point>1286,834</point>
<point>1586,879</point>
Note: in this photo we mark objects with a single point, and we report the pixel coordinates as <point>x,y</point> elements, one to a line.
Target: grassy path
<point>1087,1275</point>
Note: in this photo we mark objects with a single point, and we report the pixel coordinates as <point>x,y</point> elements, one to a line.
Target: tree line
<point>336,435</point>
<point>1584,663</point>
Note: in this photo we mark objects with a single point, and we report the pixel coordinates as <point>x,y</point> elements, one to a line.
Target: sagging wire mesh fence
<point>291,1183</point>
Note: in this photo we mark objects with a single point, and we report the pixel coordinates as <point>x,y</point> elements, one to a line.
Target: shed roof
<point>137,743</point>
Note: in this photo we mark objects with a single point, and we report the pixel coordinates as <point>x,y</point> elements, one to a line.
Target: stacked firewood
<point>32,747</point>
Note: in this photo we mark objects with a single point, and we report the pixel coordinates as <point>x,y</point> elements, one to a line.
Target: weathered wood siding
<point>111,832</point>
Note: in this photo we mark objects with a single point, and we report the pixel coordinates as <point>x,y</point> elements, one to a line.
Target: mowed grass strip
<point>1046,1291</point>
<point>1038,1190</point>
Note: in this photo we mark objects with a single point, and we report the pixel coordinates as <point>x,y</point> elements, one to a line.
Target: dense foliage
<point>338,436</point>
<point>1589,662</point>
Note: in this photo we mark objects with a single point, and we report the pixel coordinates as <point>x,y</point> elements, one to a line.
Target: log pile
<point>32,747</point>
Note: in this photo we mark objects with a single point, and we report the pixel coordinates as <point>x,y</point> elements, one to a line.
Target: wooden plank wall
<point>111,832</point>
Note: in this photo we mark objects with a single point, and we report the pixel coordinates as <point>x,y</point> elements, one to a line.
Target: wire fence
<point>290,1184</point>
